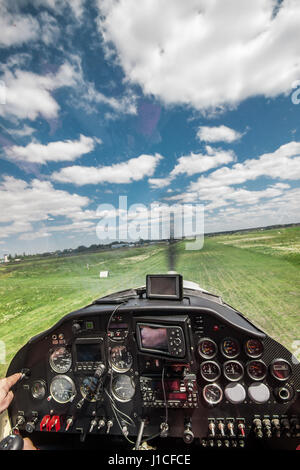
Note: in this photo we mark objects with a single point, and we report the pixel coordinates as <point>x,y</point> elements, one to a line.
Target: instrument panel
<point>192,372</point>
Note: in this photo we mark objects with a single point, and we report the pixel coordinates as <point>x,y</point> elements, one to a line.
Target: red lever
<point>44,422</point>
<point>54,423</point>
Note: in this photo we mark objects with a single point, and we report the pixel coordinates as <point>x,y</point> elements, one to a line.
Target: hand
<point>6,395</point>
<point>28,445</point>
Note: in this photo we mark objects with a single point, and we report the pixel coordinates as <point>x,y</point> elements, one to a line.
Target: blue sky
<point>175,103</point>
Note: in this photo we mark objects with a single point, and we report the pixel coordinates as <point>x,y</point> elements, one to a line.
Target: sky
<point>193,103</point>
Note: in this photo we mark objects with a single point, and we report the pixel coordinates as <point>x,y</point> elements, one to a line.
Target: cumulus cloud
<point>24,131</point>
<point>22,204</point>
<point>204,54</point>
<point>283,163</point>
<point>199,163</point>
<point>126,172</point>
<point>156,183</point>
<point>16,28</point>
<point>68,150</point>
<point>218,134</point>
<point>28,94</point>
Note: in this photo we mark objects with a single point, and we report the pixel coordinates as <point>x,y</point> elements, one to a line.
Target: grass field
<point>256,272</point>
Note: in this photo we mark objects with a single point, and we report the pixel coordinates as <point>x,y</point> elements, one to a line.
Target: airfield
<point>257,272</point>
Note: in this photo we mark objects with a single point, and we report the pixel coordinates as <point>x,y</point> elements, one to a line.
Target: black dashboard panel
<point>223,383</point>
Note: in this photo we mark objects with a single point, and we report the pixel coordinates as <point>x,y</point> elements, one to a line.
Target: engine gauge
<point>257,370</point>
<point>235,393</point>
<point>210,371</point>
<point>212,394</point>
<point>88,387</point>
<point>207,348</point>
<point>60,360</point>
<point>281,369</point>
<point>233,370</point>
<point>62,389</point>
<point>121,359</point>
<point>123,388</point>
<point>254,348</point>
<point>38,389</point>
<point>230,348</point>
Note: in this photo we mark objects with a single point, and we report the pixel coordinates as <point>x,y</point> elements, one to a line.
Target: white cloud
<point>283,164</point>
<point>199,163</point>
<point>218,134</point>
<point>126,172</point>
<point>16,29</point>
<point>22,132</point>
<point>59,151</point>
<point>22,204</point>
<point>28,94</point>
<point>205,54</point>
<point>157,183</point>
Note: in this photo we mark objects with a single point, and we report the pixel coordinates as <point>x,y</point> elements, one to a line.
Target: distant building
<point>6,260</point>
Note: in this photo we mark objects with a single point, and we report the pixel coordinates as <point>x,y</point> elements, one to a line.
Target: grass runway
<point>257,272</point>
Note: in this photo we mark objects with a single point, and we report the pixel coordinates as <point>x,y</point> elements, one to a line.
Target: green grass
<point>259,277</point>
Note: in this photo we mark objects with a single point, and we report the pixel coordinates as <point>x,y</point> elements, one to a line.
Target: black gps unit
<point>164,286</point>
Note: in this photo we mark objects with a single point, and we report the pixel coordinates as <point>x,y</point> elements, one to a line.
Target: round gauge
<point>257,370</point>
<point>60,360</point>
<point>235,393</point>
<point>207,348</point>
<point>259,393</point>
<point>233,370</point>
<point>254,348</point>
<point>38,389</point>
<point>230,348</point>
<point>212,394</point>
<point>210,371</point>
<point>62,389</point>
<point>123,388</point>
<point>88,389</point>
<point>121,359</point>
<point>281,369</point>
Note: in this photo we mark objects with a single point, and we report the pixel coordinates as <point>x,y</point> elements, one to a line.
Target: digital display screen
<point>154,337</point>
<point>88,352</point>
<point>163,286</point>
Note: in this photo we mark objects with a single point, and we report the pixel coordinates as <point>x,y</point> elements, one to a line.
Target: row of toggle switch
<point>226,428</point>
<point>276,427</point>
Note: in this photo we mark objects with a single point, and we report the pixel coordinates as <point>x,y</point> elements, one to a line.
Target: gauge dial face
<point>212,394</point>
<point>123,388</point>
<point>230,348</point>
<point>233,370</point>
<point>62,389</point>
<point>254,348</point>
<point>207,348</point>
<point>88,388</point>
<point>257,370</point>
<point>60,360</point>
<point>210,371</point>
<point>281,369</point>
<point>121,359</point>
<point>38,389</point>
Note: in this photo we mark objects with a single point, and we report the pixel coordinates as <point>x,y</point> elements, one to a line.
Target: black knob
<point>12,442</point>
<point>188,435</point>
<point>30,426</point>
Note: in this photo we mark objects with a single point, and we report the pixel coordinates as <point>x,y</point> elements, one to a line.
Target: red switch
<point>54,423</point>
<point>44,422</point>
